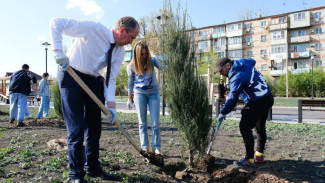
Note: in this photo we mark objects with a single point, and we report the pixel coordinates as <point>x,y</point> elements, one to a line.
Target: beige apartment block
<point>291,41</point>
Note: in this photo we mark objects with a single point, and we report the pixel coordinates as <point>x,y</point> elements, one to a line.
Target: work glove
<point>221,117</point>
<point>130,104</point>
<point>61,59</point>
<point>113,112</point>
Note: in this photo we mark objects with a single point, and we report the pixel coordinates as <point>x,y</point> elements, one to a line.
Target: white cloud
<point>115,1</point>
<point>88,7</point>
<point>41,38</point>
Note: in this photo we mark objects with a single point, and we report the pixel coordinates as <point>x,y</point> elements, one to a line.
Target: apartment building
<point>290,41</point>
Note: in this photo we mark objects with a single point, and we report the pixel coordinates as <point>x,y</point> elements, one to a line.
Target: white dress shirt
<point>87,53</point>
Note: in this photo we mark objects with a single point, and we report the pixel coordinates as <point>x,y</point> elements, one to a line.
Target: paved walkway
<point>279,114</point>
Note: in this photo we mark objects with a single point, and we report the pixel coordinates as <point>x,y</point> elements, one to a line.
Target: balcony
<point>300,39</point>
<point>278,56</point>
<point>203,50</point>
<point>278,72</point>
<point>278,26</point>
<point>203,38</point>
<point>299,71</point>
<point>235,46</point>
<point>298,55</point>
<point>234,33</point>
<point>220,47</point>
<point>220,34</point>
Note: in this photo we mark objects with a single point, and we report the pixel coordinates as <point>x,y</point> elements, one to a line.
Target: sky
<point>25,23</point>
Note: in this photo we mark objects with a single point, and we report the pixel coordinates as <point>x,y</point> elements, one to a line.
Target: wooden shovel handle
<point>101,105</point>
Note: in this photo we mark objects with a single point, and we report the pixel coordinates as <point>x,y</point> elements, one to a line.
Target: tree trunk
<point>191,158</point>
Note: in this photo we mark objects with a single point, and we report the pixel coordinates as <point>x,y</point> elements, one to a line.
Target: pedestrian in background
<point>246,81</point>
<point>44,92</point>
<point>19,89</point>
<point>221,89</point>
<point>95,46</point>
<point>142,79</point>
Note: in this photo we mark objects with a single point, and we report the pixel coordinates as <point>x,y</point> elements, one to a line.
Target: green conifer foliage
<point>186,91</point>
<point>57,100</point>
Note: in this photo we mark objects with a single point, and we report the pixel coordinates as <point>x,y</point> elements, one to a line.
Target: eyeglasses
<point>130,37</point>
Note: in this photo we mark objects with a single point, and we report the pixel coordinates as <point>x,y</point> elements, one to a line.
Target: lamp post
<point>46,44</point>
<point>163,18</point>
<point>312,76</point>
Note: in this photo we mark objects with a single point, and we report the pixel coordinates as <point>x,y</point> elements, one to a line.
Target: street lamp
<point>312,75</point>
<point>46,44</point>
<point>163,20</point>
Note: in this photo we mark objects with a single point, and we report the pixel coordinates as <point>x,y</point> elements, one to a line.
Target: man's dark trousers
<point>82,117</point>
<point>254,115</point>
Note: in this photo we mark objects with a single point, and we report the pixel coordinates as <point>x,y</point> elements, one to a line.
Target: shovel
<point>214,137</point>
<point>155,159</point>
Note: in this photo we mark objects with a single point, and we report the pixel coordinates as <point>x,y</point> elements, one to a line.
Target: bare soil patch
<point>292,155</point>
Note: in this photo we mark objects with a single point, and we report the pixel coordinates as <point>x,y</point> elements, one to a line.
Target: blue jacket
<point>246,81</point>
<point>44,89</point>
<point>20,82</point>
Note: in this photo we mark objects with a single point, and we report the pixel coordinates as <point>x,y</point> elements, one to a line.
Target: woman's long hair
<point>136,60</point>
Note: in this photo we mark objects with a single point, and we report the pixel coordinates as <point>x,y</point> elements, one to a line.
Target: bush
<point>300,85</point>
<point>57,99</point>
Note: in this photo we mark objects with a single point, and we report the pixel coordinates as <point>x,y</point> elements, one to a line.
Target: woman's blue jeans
<point>44,107</point>
<point>153,101</point>
<point>18,104</point>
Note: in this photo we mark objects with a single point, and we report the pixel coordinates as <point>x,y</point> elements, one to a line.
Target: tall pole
<point>312,77</point>
<point>46,44</point>
<point>45,59</point>
<point>209,81</point>
<point>163,18</point>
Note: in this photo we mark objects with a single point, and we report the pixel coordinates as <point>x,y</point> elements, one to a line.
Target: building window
<point>299,16</point>
<point>220,42</point>
<point>205,33</point>
<point>300,48</point>
<point>221,54</point>
<point>263,37</point>
<point>234,27</point>
<point>300,65</point>
<point>319,63</point>
<point>278,49</point>
<point>264,67</point>
<point>318,46</point>
<point>299,33</point>
<point>318,30</point>
<point>278,34</point>
<point>263,52</point>
<point>248,26</point>
<point>249,39</point>
<point>235,40</point>
<point>203,45</point>
<point>219,29</point>
<point>318,15</point>
<point>249,53</point>
<point>263,23</point>
<point>279,20</point>
<point>235,53</point>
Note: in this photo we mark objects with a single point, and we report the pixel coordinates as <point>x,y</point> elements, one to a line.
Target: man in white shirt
<point>93,48</point>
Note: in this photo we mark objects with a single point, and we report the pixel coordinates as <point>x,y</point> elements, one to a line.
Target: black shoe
<point>101,174</point>
<point>11,120</point>
<point>21,124</point>
<point>77,181</point>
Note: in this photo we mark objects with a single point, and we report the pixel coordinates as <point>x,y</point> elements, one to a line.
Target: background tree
<point>186,93</point>
<point>121,80</point>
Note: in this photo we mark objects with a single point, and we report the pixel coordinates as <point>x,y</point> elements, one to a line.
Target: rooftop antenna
<point>304,4</point>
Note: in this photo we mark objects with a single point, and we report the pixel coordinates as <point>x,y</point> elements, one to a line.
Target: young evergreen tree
<point>186,91</point>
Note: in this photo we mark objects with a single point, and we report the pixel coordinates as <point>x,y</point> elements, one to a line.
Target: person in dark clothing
<point>19,89</point>
<point>246,81</point>
<point>221,89</point>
